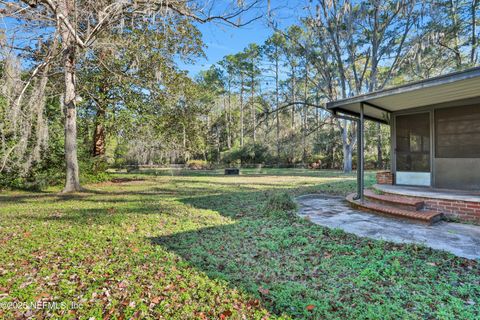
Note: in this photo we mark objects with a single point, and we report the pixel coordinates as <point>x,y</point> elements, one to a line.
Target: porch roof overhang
<point>378,105</point>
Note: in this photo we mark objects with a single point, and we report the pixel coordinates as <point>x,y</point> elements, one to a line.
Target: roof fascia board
<point>427,83</point>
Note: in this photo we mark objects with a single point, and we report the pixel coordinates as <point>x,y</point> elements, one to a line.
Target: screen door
<point>413,165</point>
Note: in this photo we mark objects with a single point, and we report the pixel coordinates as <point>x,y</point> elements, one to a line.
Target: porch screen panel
<point>457,132</point>
<point>413,142</point>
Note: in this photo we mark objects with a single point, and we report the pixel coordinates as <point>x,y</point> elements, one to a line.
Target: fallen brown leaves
<point>263,291</point>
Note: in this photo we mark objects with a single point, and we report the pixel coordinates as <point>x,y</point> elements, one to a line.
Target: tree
<point>228,64</point>
<point>354,39</point>
<point>293,35</point>
<point>272,50</point>
<point>212,85</point>
<point>252,70</point>
<point>79,24</point>
<point>239,64</point>
<point>126,66</point>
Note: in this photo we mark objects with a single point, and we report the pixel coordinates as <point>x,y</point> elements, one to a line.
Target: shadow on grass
<point>27,197</point>
<point>291,264</point>
<point>87,193</point>
<point>250,254</point>
<point>110,207</point>
<point>109,214</point>
<point>127,179</point>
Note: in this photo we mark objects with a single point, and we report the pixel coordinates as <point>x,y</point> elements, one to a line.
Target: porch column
<point>359,151</point>
<point>360,156</point>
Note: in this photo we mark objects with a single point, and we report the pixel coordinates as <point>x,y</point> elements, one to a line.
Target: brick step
<point>421,216</point>
<point>407,203</point>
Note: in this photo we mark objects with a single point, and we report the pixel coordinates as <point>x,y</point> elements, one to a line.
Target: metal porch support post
<point>360,169</point>
<point>359,189</point>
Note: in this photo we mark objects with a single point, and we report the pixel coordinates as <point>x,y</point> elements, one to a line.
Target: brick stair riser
<point>413,215</point>
<point>463,210</point>
<point>395,204</point>
<point>388,214</point>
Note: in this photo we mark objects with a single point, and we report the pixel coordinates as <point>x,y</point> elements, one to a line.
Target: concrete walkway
<point>334,212</point>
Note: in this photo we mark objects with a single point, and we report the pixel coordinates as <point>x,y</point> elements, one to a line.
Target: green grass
<point>193,245</point>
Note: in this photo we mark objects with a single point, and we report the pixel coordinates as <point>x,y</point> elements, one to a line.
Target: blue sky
<point>221,40</point>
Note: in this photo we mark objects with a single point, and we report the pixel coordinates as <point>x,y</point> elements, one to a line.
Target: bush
<point>93,170</point>
<point>41,174</point>
<point>253,153</point>
<point>197,165</point>
<point>95,177</point>
<point>280,204</point>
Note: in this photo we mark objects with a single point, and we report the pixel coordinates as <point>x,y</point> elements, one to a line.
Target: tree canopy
<point>112,69</point>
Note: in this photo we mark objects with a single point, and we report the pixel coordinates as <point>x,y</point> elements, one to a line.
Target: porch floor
<point>424,192</point>
<point>334,212</point>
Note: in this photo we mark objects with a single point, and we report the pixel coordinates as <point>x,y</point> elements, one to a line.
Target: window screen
<point>413,142</point>
<point>457,132</point>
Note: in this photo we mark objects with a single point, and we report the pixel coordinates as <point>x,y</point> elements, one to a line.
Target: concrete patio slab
<point>431,193</point>
<point>462,240</point>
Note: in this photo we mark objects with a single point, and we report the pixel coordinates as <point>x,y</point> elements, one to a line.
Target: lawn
<point>198,245</point>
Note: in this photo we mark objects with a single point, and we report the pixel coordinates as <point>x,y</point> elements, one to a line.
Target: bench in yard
<point>232,171</point>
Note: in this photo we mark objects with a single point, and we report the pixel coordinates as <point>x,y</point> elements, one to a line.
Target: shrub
<point>42,174</point>
<point>315,165</point>
<point>93,170</point>
<point>197,165</point>
<point>280,204</point>
<point>248,154</point>
<point>95,178</point>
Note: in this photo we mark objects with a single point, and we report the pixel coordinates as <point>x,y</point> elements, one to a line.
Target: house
<point>435,135</point>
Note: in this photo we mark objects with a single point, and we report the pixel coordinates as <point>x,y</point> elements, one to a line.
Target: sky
<point>221,40</point>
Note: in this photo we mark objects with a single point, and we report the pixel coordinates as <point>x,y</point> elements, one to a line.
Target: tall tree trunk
<point>99,133</point>
<point>379,147</point>
<point>317,115</point>
<point>375,47</point>
<point>331,146</point>
<point>72,181</point>
<point>473,54</point>
<point>229,116</point>
<point>347,154</point>
<point>347,145</point>
<point>184,143</point>
<point>218,145</point>
<point>347,148</point>
<point>304,118</point>
<point>254,113</point>
<point>225,111</point>
<point>456,28</point>
<point>294,97</point>
<point>242,129</point>
<point>277,103</point>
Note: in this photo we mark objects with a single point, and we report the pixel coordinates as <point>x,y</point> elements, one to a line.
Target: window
<point>457,132</point>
